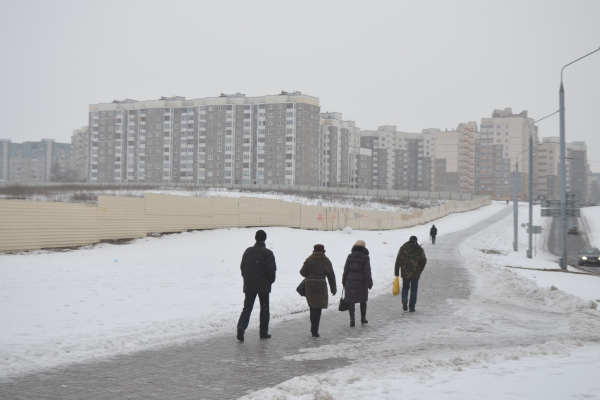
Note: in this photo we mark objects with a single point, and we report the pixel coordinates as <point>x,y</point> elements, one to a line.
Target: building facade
<point>216,140</point>
<point>343,162</point>
<point>547,169</point>
<point>401,161</point>
<point>80,153</point>
<point>44,161</point>
<point>500,148</point>
<point>454,157</point>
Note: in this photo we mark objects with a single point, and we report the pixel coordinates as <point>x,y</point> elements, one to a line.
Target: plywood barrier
<point>32,225</point>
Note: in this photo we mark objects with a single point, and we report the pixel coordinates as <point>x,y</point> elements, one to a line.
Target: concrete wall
<point>33,225</point>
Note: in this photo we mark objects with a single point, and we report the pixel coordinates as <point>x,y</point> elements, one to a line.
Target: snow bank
<point>484,354</point>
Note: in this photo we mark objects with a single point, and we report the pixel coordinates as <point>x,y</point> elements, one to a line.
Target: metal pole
<point>563,168</point>
<point>516,207</point>
<point>563,182</point>
<point>529,253</point>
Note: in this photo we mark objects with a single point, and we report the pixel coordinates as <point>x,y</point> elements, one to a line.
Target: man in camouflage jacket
<point>411,260</point>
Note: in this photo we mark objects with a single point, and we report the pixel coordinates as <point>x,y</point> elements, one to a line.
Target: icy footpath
<point>58,308</point>
<point>514,336</point>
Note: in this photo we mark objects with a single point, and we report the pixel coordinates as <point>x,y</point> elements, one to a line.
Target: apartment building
<point>343,163</point>
<point>454,155</point>
<point>43,161</point>
<point>547,169</point>
<point>214,140</point>
<point>593,188</point>
<point>80,153</point>
<point>578,169</point>
<point>401,161</point>
<point>501,144</point>
<point>4,150</point>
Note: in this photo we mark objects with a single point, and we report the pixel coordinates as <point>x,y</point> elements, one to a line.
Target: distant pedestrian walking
<point>357,280</point>
<point>411,260</point>
<point>433,233</point>
<point>316,268</point>
<point>258,270</point>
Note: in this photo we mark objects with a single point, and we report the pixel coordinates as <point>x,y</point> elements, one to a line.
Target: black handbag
<point>301,289</point>
<point>343,304</point>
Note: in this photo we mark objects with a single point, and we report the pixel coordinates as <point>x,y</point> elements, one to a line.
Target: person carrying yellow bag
<point>411,261</point>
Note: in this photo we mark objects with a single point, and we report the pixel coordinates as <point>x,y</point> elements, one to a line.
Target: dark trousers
<point>264,312</point>
<point>363,310</point>
<point>315,318</point>
<point>433,239</point>
<point>413,285</point>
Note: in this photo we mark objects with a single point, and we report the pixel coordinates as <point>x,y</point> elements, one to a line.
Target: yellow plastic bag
<point>396,288</point>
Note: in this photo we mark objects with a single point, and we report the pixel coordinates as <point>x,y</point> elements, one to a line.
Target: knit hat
<point>319,247</point>
<point>413,238</point>
<point>260,236</point>
<point>360,243</point>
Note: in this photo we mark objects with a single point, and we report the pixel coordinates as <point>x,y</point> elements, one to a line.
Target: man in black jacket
<point>258,270</point>
<point>433,233</point>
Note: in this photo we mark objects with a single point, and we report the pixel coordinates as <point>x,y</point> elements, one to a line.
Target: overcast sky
<point>425,64</point>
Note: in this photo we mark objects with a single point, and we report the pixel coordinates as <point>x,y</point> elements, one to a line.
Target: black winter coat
<point>433,231</point>
<point>258,269</point>
<point>357,278</point>
<point>315,269</point>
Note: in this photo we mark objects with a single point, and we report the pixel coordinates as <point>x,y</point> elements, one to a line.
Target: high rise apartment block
<point>40,161</point>
<point>80,153</point>
<point>344,163</point>
<point>547,169</point>
<point>454,159</point>
<point>284,139</point>
<point>215,140</point>
<point>401,161</point>
<point>503,142</point>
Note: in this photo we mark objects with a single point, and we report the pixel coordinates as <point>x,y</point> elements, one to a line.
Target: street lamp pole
<point>516,204</point>
<point>516,207</point>
<point>529,250</point>
<point>563,169</point>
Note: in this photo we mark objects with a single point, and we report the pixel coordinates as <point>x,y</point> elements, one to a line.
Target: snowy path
<point>459,322</point>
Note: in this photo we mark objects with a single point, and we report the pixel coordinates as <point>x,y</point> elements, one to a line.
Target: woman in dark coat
<point>357,280</point>
<point>315,269</point>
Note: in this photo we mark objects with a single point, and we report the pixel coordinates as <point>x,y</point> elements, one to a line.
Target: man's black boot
<point>240,335</point>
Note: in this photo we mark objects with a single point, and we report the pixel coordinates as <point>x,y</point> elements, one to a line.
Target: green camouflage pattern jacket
<point>411,259</point>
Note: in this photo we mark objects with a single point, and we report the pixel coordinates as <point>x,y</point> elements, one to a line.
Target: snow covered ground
<point>57,308</point>
<point>315,199</point>
<point>506,302</point>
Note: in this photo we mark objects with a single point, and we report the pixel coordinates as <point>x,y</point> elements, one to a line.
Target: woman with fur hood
<point>357,280</point>
<point>316,268</point>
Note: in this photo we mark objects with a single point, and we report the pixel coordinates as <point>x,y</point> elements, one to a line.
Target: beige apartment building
<point>214,140</point>
<point>454,158</point>
<point>501,144</point>
<point>547,169</point>
<point>44,161</point>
